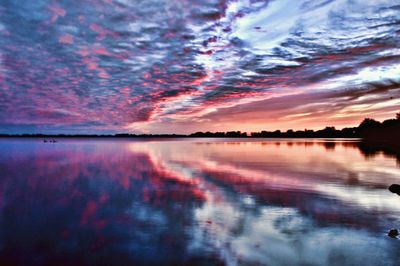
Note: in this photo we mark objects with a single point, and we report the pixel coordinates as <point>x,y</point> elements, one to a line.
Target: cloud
<point>146,64</point>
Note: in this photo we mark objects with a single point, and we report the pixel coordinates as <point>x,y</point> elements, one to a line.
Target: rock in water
<point>393,233</point>
<point>395,188</point>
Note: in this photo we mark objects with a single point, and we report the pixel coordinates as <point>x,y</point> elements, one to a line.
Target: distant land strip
<point>369,129</point>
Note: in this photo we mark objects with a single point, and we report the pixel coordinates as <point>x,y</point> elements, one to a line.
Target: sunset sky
<point>180,66</point>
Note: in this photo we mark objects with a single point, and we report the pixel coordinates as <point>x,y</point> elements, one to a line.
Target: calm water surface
<point>196,202</point>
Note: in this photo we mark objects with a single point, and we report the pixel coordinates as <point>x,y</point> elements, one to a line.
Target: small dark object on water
<point>393,233</point>
<point>395,188</point>
<point>51,141</point>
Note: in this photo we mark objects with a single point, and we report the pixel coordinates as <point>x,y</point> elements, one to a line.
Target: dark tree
<point>369,123</point>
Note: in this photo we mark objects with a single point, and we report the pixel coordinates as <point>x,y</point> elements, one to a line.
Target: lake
<point>196,202</point>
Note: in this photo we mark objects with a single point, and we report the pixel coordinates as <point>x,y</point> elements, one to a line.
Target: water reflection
<point>197,202</point>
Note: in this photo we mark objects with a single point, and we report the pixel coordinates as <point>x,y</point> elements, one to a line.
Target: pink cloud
<point>57,12</point>
<point>66,39</point>
<point>100,50</point>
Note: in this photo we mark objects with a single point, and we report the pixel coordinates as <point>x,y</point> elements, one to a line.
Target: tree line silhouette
<point>369,129</point>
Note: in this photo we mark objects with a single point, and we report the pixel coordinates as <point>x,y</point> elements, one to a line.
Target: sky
<point>181,66</point>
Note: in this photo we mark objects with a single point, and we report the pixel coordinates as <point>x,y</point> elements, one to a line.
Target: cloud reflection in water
<point>196,202</point>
